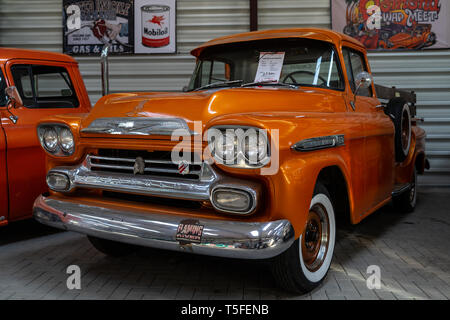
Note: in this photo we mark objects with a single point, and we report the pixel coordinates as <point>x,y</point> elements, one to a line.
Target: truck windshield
<point>300,62</point>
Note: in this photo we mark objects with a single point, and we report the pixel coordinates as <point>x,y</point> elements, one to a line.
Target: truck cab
<point>41,84</point>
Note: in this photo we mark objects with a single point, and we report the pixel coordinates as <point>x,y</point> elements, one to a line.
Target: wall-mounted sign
<point>131,26</point>
<point>155,26</point>
<point>394,24</point>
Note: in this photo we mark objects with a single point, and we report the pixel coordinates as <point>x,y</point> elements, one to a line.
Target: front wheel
<point>305,264</point>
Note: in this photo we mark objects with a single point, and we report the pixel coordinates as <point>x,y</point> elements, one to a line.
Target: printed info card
<point>269,67</point>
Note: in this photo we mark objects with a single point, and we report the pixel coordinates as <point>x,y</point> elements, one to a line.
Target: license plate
<point>189,231</point>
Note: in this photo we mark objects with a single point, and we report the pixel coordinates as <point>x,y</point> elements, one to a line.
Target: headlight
<point>239,147</point>
<point>50,139</point>
<point>66,140</point>
<point>255,146</point>
<point>226,147</point>
<point>56,139</point>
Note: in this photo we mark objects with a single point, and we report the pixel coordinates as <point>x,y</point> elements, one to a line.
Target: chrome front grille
<point>112,171</point>
<point>157,163</point>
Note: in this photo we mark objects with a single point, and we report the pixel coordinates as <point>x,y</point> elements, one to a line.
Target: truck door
<point>3,174</point>
<point>378,173</point>
<point>46,89</point>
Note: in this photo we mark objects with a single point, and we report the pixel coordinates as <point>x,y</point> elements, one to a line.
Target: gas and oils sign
<point>394,24</point>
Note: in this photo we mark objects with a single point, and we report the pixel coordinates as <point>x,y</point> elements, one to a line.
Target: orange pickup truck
<point>279,134</point>
<point>33,86</point>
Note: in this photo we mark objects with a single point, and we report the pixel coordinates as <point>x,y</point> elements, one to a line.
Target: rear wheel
<point>305,264</point>
<point>111,248</point>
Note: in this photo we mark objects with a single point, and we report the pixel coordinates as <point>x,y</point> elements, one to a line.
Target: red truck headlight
<point>56,139</point>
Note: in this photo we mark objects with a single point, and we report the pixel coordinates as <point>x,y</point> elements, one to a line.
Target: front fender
<point>293,186</point>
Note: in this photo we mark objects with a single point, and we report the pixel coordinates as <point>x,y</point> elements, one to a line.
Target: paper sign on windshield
<point>269,67</point>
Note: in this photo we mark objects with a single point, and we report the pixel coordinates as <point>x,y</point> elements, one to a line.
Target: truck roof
<point>13,53</point>
<point>309,33</point>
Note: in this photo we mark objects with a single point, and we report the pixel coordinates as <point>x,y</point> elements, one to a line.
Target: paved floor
<point>412,252</point>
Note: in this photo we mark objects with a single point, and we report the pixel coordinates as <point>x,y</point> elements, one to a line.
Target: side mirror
<point>363,80</point>
<point>13,96</point>
<point>14,99</point>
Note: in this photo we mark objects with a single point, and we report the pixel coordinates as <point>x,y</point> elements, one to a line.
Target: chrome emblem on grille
<point>183,167</point>
<point>139,166</point>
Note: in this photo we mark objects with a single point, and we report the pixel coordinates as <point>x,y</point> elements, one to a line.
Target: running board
<point>399,189</point>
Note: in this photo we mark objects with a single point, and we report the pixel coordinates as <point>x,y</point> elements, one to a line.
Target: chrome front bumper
<point>222,238</point>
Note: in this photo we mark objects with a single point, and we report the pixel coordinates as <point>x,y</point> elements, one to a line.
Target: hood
<point>207,105</point>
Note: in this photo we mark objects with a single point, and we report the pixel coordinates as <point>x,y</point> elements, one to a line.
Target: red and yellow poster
<point>394,24</point>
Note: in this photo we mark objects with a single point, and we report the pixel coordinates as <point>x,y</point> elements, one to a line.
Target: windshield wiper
<point>269,83</point>
<point>219,84</point>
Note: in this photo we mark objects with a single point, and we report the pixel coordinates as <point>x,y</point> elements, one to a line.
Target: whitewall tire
<point>305,264</point>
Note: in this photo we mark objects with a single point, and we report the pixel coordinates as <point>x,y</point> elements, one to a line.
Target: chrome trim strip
<point>222,238</point>
<point>332,141</point>
<point>139,126</point>
<point>131,160</point>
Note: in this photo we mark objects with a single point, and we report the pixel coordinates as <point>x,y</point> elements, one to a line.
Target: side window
<point>3,98</point>
<point>44,86</point>
<point>322,71</point>
<point>354,63</point>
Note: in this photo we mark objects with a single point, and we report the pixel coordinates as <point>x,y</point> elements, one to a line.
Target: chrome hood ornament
<point>139,166</point>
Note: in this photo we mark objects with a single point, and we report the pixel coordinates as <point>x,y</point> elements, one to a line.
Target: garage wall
<point>37,24</point>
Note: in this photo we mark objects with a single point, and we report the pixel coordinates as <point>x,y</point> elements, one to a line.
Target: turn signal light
<point>58,181</point>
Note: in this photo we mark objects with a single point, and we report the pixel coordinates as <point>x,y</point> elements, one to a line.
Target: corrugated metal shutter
<point>38,25</point>
<point>290,13</point>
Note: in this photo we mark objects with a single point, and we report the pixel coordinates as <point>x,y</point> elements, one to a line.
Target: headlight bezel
<point>59,150</point>
<point>239,160</point>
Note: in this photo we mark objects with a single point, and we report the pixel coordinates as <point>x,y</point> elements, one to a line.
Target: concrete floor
<point>412,252</point>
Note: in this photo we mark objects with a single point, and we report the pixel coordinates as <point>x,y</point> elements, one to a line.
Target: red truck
<point>33,85</point>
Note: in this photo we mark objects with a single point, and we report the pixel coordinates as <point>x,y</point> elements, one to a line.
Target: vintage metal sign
<point>394,24</point>
<point>155,26</point>
<point>89,24</point>
<point>130,26</point>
